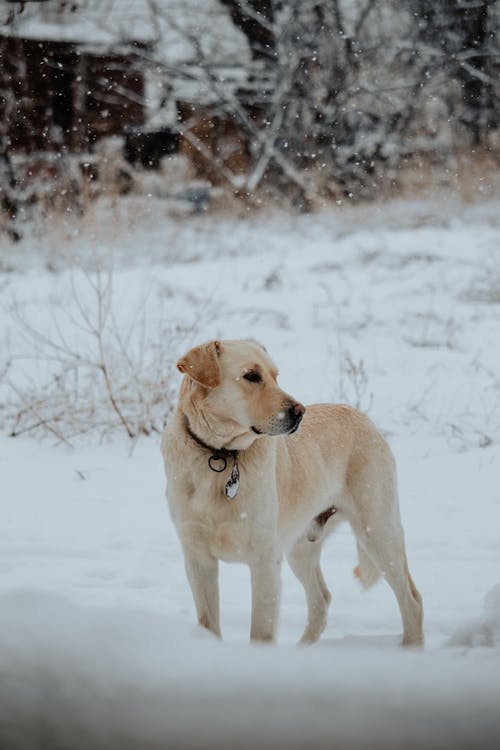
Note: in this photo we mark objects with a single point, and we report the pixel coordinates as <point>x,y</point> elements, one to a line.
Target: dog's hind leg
<point>304,559</point>
<point>388,554</point>
<point>377,527</point>
<point>203,576</point>
<point>372,508</point>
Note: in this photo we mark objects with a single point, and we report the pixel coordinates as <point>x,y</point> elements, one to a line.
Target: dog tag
<point>233,483</point>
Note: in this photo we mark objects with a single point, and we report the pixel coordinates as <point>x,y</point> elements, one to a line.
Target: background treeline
<point>356,89</point>
<point>324,99</point>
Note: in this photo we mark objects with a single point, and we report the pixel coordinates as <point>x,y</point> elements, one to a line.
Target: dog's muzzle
<point>285,422</point>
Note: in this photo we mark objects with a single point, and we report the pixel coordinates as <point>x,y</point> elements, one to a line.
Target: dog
<point>253,475</point>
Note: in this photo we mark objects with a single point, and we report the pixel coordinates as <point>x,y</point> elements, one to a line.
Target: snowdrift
<point>75,677</point>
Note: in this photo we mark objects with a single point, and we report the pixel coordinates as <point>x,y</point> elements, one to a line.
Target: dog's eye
<point>253,376</point>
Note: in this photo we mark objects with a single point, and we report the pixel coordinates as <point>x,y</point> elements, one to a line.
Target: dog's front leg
<point>203,575</point>
<point>266,588</point>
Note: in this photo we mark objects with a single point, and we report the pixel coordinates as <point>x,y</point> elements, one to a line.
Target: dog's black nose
<point>295,414</point>
<point>297,410</point>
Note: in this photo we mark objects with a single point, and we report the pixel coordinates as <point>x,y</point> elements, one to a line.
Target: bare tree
<point>461,39</point>
<point>95,374</point>
<point>326,101</point>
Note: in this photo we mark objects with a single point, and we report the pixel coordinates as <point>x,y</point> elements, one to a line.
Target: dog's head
<point>234,384</point>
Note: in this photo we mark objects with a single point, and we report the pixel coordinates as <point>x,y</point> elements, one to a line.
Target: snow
<point>124,679</point>
<point>395,308</point>
<point>484,631</point>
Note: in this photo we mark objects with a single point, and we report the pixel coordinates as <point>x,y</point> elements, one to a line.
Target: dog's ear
<point>202,364</point>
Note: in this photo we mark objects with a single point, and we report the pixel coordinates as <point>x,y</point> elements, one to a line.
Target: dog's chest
<point>233,530</point>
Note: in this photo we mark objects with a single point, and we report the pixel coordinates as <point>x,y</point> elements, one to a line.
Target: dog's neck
<point>221,452</point>
<point>230,440</point>
<point>227,436</point>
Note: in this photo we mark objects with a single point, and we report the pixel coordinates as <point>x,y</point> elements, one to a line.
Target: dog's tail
<point>366,571</point>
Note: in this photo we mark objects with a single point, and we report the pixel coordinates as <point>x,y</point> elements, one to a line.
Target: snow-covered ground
<point>393,308</point>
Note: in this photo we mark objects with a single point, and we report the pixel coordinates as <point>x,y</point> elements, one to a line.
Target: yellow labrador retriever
<point>245,484</point>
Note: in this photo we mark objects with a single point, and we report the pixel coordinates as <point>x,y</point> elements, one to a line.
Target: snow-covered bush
<point>100,363</point>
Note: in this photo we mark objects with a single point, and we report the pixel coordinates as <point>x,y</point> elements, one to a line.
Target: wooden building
<point>57,93</point>
<point>74,72</point>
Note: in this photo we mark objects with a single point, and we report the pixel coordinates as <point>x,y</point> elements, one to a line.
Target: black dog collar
<point>217,461</point>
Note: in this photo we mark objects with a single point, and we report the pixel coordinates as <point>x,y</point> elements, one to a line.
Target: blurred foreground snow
<point>76,677</point>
